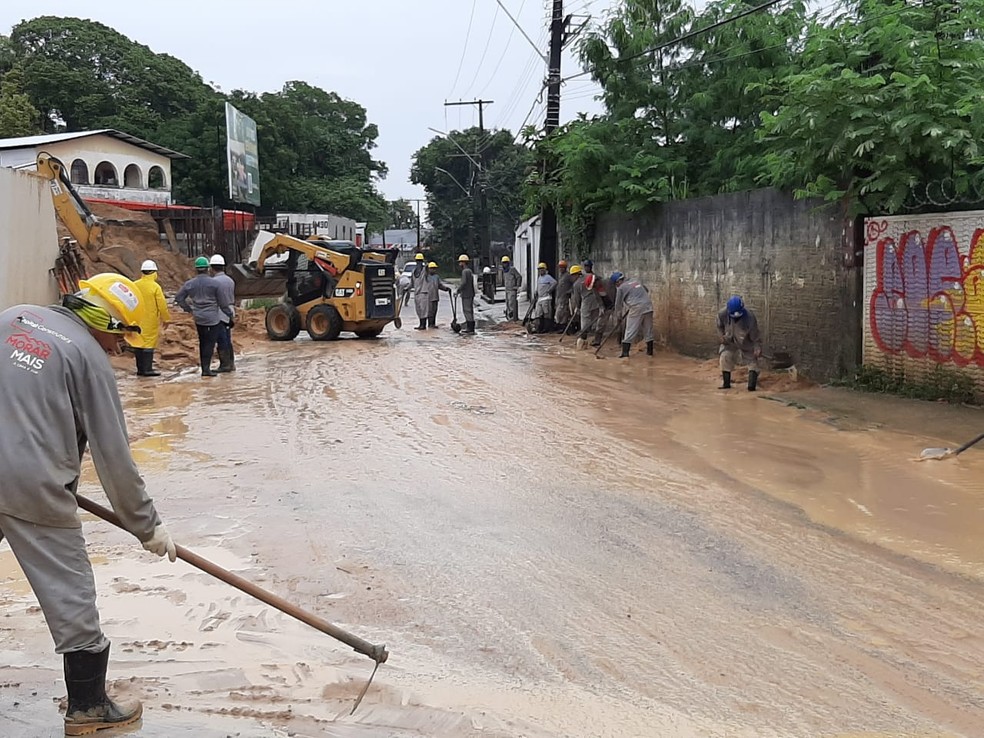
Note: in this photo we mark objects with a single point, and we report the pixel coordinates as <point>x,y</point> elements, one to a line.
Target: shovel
<point>455,325</point>
<point>938,454</point>
<point>377,653</point>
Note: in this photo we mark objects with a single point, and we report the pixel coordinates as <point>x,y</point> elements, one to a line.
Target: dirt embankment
<point>129,237</point>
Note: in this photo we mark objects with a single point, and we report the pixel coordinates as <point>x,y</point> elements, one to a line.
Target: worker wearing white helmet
<point>227,291</point>
<point>466,290</point>
<point>155,316</point>
<point>58,394</point>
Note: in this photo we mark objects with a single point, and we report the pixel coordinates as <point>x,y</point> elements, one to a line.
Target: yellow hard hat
<point>506,260</point>
<point>110,303</point>
<point>463,257</point>
<point>576,269</point>
<point>541,265</point>
<point>432,265</point>
<point>419,257</point>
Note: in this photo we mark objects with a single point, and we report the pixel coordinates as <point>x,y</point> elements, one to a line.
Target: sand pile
<point>129,237</point>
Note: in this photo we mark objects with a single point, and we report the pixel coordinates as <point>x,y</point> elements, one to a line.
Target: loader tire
<point>283,322</point>
<point>369,333</point>
<point>323,323</point>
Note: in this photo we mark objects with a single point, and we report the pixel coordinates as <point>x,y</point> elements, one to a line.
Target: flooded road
<point>549,544</point>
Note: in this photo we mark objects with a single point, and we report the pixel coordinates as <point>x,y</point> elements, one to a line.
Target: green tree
<point>18,117</point>
<point>887,103</point>
<point>400,214</point>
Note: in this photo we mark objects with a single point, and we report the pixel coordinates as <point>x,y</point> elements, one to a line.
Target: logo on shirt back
<point>28,352</point>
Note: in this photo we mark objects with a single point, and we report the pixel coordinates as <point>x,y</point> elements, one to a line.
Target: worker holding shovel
<point>633,303</point>
<point>59,388</point>
<point>740,338</point>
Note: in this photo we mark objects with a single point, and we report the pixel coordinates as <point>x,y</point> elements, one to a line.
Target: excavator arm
<point>70,207</point>
<point>332,262</point>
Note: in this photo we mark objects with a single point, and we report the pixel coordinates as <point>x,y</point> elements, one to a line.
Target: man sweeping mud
<point>57,395</point>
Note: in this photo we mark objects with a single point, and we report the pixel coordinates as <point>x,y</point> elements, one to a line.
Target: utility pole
<point>418,201</point>
<point>483,204</point>
<point>548,218</point>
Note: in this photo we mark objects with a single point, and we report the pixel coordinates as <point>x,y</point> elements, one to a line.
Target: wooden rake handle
<point>377,653</point>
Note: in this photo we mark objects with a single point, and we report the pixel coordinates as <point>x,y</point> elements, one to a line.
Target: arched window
<point>106,175</point>
<point>133,177</point>
<point>156,179</point>
<point>80,172</point>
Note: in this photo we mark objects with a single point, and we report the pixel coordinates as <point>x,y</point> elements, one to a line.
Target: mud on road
<point>549,544</point>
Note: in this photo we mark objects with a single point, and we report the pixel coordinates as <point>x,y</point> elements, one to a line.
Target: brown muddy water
<point>548,543</point>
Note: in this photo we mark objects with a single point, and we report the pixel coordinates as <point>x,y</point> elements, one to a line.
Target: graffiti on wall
<point>928,296</point>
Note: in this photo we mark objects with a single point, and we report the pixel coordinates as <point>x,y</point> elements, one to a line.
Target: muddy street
<point>549,545</point>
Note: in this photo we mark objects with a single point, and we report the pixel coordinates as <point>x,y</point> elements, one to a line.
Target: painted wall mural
<point>924,285</point>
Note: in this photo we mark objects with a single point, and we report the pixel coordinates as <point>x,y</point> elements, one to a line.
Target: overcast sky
<point>400,59</point>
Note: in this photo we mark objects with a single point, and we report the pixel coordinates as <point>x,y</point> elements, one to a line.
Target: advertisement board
<point>243,157</point>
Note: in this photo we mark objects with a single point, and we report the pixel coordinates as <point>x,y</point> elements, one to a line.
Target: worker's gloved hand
<point>232,324</point>
<point>160,543</point>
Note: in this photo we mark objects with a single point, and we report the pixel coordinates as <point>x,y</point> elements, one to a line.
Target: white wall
<point>526,251</point>
<point>330,226</point>
<point>28,240</point>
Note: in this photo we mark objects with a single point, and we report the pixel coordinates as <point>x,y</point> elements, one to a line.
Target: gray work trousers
<point>512,305</point>
<point>432,311</point>
<point>730,353</point>
<point>591,323</point>
<point>638,326</point>
<point>468,309</point>
<point>55,563</point>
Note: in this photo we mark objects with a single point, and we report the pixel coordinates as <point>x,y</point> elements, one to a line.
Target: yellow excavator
<point>69,206</point>
<point>327,286</point>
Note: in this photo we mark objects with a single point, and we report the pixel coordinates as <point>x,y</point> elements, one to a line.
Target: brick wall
<point>794,262</point>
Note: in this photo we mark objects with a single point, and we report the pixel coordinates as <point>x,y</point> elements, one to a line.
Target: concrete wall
<point>924,294</point>
<point>28,240</point>
<point>793,262</point>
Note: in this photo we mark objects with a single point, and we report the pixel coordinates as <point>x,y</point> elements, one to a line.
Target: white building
<point>104,164</point>
<point>526,251</point>
<point>333,227</point>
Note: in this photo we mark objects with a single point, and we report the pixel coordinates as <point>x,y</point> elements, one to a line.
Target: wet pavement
<point>549,544</point>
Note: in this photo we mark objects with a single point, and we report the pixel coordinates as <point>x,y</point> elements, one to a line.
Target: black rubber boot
<point>138,357</point>
<point>432,322</point>
<point>649,348</point>
<point>597,340</point>
<point>422,326</point>
<point>753,378</point>
<point>469,326</point>
<point>725,380</point>
<point>227,361</point>
<point>626,347</point>
<point>89,709</point>
<point>148,366</point>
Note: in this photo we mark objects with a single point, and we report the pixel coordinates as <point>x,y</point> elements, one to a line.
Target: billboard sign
<point>243,157</point>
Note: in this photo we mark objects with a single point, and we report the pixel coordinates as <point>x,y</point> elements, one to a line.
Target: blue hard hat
<point>616,276</point>
<point>736,306</point>
<point>588,263</point>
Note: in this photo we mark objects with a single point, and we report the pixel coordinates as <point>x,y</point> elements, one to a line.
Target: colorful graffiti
<point>928,299</point>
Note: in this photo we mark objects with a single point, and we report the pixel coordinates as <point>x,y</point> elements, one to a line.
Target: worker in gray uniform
<point>512,280</point>
<point>543,309</point>
<point>202,297</point>
<point>587,302</point>
<point>635,306</point>
<point>466,291</point>
<point>227,294</point>
<point>565,282</point>
<point>58,394</point>
<point>740,339</point>
<point>420,289</point>
<point>435,285</point>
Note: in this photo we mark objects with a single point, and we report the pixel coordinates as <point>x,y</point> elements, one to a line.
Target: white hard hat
<point>148,266</point>
<point>486,270</point>
<point>217,260</point>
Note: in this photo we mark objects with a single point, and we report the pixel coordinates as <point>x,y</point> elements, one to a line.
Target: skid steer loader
<point>327,287</point>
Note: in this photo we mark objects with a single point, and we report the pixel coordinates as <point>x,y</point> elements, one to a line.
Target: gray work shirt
<point>467,287</point>
<point>512,280</point>
<point>742,333</point>
<point>227,294</point>
<point>201,296</point>
<point>58,394</point>
<point>632,299</point>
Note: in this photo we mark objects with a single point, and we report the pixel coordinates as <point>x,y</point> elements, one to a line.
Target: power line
<point>464,49</point>
<point>485,51</point>
<point>505,49</point>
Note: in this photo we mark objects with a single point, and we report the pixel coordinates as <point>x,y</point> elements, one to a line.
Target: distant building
<point>302,225</point>
<point>103,164</point>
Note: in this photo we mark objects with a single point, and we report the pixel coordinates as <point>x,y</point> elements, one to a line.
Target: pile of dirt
<point>129,237</point>
<point>770,380</point>
<point>178,345</point>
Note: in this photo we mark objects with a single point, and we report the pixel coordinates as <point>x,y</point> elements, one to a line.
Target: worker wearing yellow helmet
<point>543,311</point>
<point>58,388</point>
<point>565,284</point>
<point>420,287</point>
<point>466,290</point>
<point>155,315</point>
<point>435,285</point>
<point>512,280</point>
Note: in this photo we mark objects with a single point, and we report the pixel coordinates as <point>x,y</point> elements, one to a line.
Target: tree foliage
<point>864,105</point>
<point>18,117</point>
<point>454,184</point>
<point>315,148</point>
<point>400,214</point>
